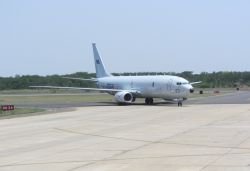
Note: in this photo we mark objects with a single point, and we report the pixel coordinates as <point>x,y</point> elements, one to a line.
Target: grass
<point>34,99</point>
<point>20,111</point>
<point>48,99</point>
<point>40,91</point>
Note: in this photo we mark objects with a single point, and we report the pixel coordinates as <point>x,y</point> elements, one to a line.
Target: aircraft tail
<point>99,66</point>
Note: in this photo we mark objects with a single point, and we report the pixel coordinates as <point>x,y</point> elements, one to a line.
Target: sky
<point>54,36</point>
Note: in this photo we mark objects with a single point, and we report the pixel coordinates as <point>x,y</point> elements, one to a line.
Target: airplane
<point>126,89</point>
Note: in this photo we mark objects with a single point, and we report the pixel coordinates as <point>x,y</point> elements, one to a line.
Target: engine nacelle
<point>123,97</point>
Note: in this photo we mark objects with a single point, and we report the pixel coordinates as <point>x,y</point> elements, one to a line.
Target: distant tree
<point>209,80</point>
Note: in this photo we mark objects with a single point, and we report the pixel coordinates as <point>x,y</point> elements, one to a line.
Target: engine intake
<point>124,97</point>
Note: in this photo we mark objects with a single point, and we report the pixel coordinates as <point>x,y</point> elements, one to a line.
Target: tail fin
<point>99,66</point>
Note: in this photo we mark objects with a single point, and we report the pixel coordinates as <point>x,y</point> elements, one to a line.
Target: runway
<point>238,97</point>
<point>136,137</point>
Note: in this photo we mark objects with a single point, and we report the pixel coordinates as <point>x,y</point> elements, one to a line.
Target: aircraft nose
<point>191,90</point>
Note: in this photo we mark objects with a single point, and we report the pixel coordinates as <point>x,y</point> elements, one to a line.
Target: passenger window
<point>153,84</point>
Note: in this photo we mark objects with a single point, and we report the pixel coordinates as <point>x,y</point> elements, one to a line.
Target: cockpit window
<point>181,83</point>
<point>187,82</point>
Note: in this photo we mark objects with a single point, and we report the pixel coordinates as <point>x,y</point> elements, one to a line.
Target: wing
<point>88,89</point>
<point>82,79</point>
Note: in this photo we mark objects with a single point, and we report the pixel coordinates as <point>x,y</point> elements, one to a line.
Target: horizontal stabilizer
<point>198,82</point>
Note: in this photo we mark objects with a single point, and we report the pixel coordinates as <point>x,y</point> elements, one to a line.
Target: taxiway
<point>137,137</point>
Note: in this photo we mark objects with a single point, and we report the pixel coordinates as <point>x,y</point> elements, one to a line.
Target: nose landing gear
<point>179,103</point>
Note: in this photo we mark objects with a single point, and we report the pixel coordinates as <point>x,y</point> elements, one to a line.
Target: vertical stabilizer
<point>99,66</point>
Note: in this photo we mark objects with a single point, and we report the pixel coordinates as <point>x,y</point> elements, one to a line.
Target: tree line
<point>209,80</point>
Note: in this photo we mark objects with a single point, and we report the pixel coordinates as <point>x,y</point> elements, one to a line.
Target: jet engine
<point>123,97</point>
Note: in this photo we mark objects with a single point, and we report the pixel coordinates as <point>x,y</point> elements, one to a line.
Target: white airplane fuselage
<point>166,87</point>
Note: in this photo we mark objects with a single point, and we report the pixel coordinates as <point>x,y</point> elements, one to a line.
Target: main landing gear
<point>149,101</point>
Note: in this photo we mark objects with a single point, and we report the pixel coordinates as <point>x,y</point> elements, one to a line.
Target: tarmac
<point>199,136</point>
<point>238,97</point>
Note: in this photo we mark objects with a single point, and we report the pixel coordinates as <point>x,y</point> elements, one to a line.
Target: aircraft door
<point>178,88</point>
<point>131,84</point>
<point>171,87</point>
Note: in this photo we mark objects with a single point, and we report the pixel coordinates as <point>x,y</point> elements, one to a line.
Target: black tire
<point>179,104</point>
<point>147,101</point>
<point>151,101</point>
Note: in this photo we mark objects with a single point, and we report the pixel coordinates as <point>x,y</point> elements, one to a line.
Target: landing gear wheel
<point>179,103</point>
<point>149,101</point>
<point>133,100</point>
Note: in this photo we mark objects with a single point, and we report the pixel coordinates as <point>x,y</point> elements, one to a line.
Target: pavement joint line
<point>96,135</point>
<point>208,146</point>
<point>224,154</point>
<point>198,127</point>
<point>105,159</point>
<point>115,155</point>
<point>147,142</point>
<point>156,142</point>
<point>116,159</point>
